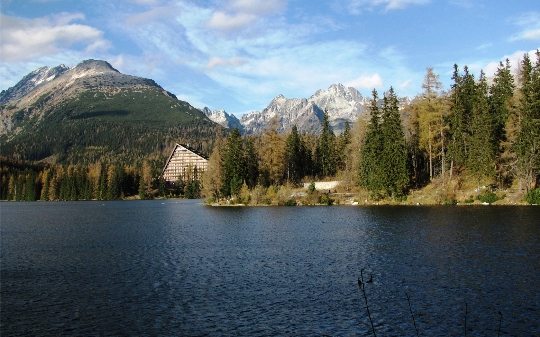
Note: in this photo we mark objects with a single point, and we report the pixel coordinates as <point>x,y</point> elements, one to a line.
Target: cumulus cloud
<point>24,39</point>
<point>491,68</point>
<point>366,82</point>
<point>530,25</point>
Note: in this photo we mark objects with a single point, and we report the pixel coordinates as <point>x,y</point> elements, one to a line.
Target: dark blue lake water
<point>178,268</point>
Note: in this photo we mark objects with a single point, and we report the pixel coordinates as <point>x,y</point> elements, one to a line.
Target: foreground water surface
<point>178,268</point>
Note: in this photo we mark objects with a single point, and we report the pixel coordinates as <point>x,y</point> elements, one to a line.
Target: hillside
<point>93,112</point>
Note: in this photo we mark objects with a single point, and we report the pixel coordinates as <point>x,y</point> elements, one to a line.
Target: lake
<point>179,268</point>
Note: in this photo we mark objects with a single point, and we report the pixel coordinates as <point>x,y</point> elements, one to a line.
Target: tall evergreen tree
<point>370,155</point>
<point>342,151</point>
<point>483,143</point>
<point>501,105</point>
<point>394,167</point>
<point>234,165</point>
<point>527,145</point>
<point>251,158</point>
<point>293,157</point>
<point>463,97</point>
<point>326,149</point>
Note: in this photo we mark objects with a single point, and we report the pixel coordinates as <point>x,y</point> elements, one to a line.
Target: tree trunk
<point>442,154</point>
<point>430,163</point>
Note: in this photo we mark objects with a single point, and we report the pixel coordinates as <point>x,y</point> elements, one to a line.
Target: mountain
<point>223,118</point>
<point>307,116</point>
<point>343,104</point>
<point>93,112</point>
<point>31,82</point>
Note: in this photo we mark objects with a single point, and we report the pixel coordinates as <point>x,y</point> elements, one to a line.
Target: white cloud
<point>530,25</point>
<point>358,6</point>
<point>218,62</point>
<point>491,67</point>
<point>157,13</point>
<point>259,7</point>
<point>366,82</point>
<point>484,46</point>
<point>240,14</point>
<point>405,84</point>
<point>24,39</point>
<point>229,22</point>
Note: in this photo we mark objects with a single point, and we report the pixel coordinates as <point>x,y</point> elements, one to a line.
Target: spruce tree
<point>463,96</point>
<point>483,143</point>
<point>293,157</point>
<point>528,141</point>
<point>393,161</point>
<point>370,155</point>
<point>501,105</point>
<point>234,166</point>
<point>251,158</point>
<point>326,149</point>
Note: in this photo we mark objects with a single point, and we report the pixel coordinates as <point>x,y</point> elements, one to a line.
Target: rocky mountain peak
<point>94,67</point>
<point>31,82</point>
<point>223,118</point>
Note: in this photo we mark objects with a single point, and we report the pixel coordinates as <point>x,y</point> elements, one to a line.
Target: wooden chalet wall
<point>182,160</point>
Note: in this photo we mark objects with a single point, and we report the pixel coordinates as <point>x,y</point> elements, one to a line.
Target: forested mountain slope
<point>92,112</point>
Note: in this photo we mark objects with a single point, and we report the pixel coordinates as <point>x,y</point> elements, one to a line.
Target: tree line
<point>21,181</point>
<point>484,130</point>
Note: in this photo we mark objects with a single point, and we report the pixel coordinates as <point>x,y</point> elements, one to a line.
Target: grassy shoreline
<point>456,192</point>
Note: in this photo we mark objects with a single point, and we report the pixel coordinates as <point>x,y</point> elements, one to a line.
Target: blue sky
<point>239,54</point>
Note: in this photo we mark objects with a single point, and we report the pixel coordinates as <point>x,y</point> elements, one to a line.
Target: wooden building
<point>182,161</point>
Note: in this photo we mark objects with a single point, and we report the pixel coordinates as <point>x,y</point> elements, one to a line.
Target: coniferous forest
<point>480,135</point>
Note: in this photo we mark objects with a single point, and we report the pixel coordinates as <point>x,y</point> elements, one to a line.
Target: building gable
<point>182,161</point>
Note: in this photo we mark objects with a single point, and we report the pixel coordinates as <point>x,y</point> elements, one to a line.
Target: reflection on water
<point>173,268</point>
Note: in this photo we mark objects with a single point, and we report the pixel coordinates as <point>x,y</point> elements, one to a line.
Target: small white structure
<point>182,161</point>
<point>323,185</point>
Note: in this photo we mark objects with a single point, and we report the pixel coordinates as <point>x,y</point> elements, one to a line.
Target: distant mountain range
<point>93,112</point>
<point>344,104</point>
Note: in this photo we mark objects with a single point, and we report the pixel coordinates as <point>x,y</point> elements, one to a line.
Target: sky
<point>238,55</point>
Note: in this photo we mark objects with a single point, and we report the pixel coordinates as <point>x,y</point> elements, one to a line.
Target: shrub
<point>311,188</point>
<point>325,199</point>
<point>533,197</point>
<point>450,201</point>
<point>488,197</point>
<point>469,200</point>
<point>290,202</point>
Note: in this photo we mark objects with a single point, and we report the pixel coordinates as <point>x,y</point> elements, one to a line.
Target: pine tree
<point>293,157</point>
<point>234,166</point>
<point>394,167</point>
<point>370,155</point>
<point>501,105</point>
<point>342,151</point>
<point>463,96</point>
<point>251,158</point>
<point>483,143</point>
<point>527,145</point>
<point>326,150</point>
